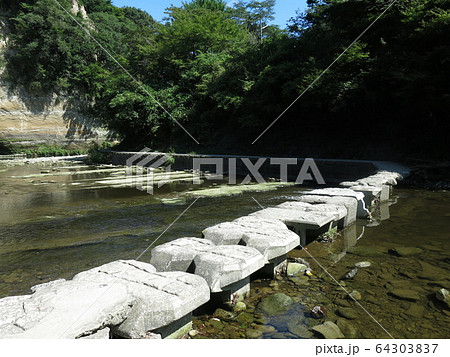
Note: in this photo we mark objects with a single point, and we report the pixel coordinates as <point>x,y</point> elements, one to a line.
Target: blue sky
<point>285,9</point>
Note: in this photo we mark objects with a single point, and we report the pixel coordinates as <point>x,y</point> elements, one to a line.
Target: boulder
<point>179,254</point>
<point>290,216</point>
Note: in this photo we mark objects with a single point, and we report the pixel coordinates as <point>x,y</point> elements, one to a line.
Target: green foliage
<point>98,154</point>
<point>46,151</point>
<point>213,5</point>
<point>225,73</point>
<point>253,15</point>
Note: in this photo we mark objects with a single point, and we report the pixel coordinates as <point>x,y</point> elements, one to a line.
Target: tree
<point>213,5</point>
<point>254,15</point>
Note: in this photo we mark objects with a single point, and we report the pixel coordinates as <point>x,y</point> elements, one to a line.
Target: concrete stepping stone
<point>378,186</point>
<point>372,194</point>
<point>350,203</point>
<point>340,212</point>
<point>299,221</point>
<point>128,298</point>
<point>362,211</point>
<point>226,268</point>
<point>160,302</point>
<point>270,237</point>
<point>67,309</point>
<point>179,254</point>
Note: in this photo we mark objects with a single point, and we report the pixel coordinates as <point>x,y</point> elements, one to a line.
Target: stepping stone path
<point>133,299</point>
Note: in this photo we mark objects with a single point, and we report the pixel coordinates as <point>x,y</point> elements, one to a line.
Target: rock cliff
<point>50,119</point>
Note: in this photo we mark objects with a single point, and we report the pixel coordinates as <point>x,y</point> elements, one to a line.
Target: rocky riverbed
<point>398,287</point>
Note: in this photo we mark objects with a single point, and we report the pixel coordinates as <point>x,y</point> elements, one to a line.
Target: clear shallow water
<point>419,219</point>
<point>50,231</point>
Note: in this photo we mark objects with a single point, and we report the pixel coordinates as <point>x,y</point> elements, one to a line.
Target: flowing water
<point>53,229</point>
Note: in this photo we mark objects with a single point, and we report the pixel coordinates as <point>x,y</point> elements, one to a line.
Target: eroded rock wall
<point>51,119</point>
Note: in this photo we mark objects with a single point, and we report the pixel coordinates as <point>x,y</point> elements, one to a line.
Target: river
<point>53,225</point>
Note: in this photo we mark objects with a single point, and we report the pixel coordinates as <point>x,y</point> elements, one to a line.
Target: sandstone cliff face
<point>51,119</point>
<point>25,117</point>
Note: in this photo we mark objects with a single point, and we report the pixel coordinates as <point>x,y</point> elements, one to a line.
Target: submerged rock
<point>253,333</point>
<point>176,201</point>
<point>299,329</point>
<point>415,310</point>
<point>431,248</point>
<point>245,318</point>
<point>347,312</point>
<point>432,272</point>
<point>347,328</point>
<point>223,314</point>
<point>405,251</point>
<point>342,302</point>
<point>329,330</point>
<point>372,300</point>
<point>355,294</point>
<point>397,284</point>
<point>367,251</point>
<point>405,294</point>
<point>216,323</point>
<point>275,304</point>
<point>299,280</point>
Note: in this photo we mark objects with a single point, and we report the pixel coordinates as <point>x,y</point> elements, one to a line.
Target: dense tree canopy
<point>225,73</point>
